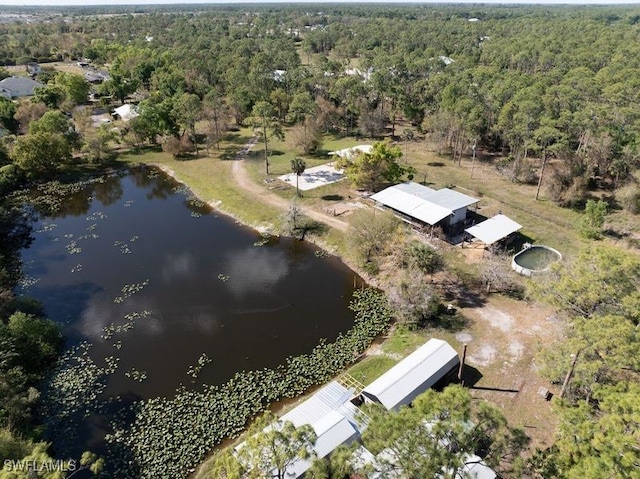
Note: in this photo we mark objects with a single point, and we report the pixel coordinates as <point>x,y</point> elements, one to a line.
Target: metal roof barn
<point>413,375</point>
<point>494,229</point>
<point>411,205</point>
<point>331,415</point>
<point>425,204</point>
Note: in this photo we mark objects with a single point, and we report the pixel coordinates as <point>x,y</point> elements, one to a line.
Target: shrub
<point>629,197</point>
<point>593,219</point>
<point>423,257</point>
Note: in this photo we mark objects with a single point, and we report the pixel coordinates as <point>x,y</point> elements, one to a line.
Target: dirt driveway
<point>241,177</point>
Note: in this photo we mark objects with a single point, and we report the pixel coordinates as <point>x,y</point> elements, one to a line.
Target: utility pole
<point>461,368</point>
<point>473,162</point>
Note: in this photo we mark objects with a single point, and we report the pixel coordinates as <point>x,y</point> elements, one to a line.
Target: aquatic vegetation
<point>320,254</point>
<point>129,290</point>
<point>203,360</point>
<point>169,437</point>
<point>45,227</point>
<point>263,241</point>
<point>131,318</point>
<point>27,281</point>
<point>76,268</point>
<point>98,215</point>
<point>223,278</point>
<point>136,375</point>
<point>72,391</point>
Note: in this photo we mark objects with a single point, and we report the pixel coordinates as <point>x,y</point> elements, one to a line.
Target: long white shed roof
<point>494,229</point>
<point>413,375</point>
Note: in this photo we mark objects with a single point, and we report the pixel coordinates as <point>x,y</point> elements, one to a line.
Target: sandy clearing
<point>497,319</point>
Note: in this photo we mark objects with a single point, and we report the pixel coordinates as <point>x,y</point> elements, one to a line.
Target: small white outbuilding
<point>413,375</point>
<point>494,229</point>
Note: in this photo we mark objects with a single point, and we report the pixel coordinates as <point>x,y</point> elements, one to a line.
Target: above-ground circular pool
<point>534,259</point>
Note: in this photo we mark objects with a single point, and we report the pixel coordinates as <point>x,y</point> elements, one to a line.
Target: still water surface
<point>197,281</point>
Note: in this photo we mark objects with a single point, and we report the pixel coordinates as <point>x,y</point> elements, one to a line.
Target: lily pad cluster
<point>194,370</point>
<point>169,437</point>
<point>72,392</point>
<point>129,290</point>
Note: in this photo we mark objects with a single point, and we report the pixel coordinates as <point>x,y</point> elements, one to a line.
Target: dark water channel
<point>147,274</point>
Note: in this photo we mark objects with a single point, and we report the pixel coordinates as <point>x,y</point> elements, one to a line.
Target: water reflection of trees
<point>15,234</point>
<point>156,183</point>
<point>109,191</point>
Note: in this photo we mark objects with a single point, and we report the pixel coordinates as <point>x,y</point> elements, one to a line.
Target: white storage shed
<point>413,375</point>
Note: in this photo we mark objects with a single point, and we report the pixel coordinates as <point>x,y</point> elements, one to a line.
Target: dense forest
<point>553,93</point>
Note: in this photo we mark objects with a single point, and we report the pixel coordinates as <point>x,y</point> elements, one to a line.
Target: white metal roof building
<point>426,204</point>
<point>413,375</point>
<point>127,112</point>
<point>494,229</point>
<point>333,418</point>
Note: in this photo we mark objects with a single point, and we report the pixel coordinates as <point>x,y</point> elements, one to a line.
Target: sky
<point>156,2</point>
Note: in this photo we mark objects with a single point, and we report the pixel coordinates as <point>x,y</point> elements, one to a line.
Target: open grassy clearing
<point>282,152</point>
<point>371,368</point>
<point>542,220</point>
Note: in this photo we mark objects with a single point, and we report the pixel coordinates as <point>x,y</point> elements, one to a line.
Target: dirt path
<point>241,177</point>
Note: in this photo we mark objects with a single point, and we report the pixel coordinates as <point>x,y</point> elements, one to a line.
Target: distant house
<point>33,68</point>
<point>420,204</point>
<point>126,112</point>
<point>18,87</point>
<point>96,76</point>
<point>430,364</point>
<point>279,75</point>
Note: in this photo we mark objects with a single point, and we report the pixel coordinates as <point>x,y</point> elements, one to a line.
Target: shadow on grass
<point>470,376</point>
<point>436,164</point>
<point>465,295</point>
<point>142,149</point>
<point>315,228</point>
<point>237,138</point>
<point>502,390</point>
<point>451,320</point>
<point>518,242</point>
<point>333,197</point>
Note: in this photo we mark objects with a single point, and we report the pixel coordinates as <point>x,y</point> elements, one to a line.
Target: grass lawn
<point>371,368</point>
<point>282,152</point>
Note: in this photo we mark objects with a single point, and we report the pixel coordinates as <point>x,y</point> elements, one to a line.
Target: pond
<point>146,273</point>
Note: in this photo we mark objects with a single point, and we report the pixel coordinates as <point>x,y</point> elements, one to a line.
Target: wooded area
<point>550,94</point>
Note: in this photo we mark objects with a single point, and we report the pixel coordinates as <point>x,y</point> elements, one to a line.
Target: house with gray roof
<point>17,87</point>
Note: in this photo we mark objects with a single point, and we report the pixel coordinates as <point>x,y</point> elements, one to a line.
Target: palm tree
<point>298,166</point>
